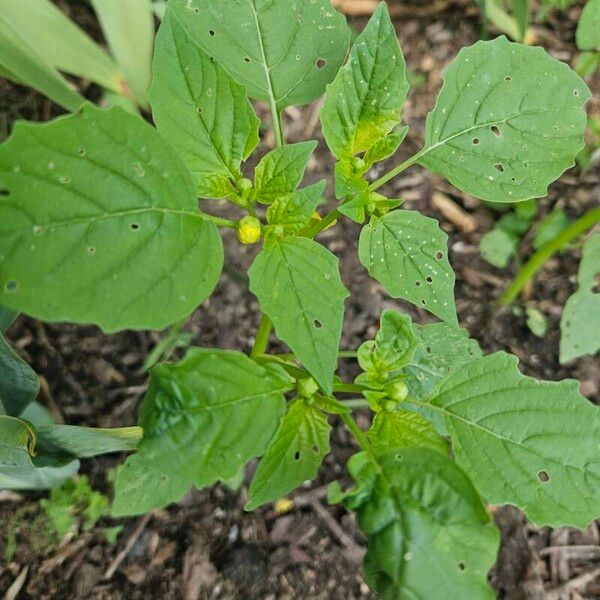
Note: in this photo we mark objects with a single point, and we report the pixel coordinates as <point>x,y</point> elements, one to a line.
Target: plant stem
<point>218,220</point>
<point>276,124</point>
<point>396,170</point>
<point>538,259</point>
<point>348,387</point>
<point>347,354</point>
<point>317,227</point>
<point>361,438</point>
<point>262,337</point>
<point>354,402</point>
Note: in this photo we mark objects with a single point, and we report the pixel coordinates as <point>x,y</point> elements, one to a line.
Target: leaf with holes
<point>280,171</point>
<point>293,456</point>
<point>580,323</point>
<point>364,102</point>
<point>406,252</point>
<point>201,111</point>
<point>523,441</point>
<point>99,224</point>
<point>283,52</point>
<point>19,385</point>
<point>204,418</point>
<point>298,285</point>
<point>588,27</point>
<point>507,122</point>
<point>403,429</point>
<point>290,213</point>
<point>428,531</point>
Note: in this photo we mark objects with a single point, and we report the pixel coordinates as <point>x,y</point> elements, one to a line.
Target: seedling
<point>99,223</point>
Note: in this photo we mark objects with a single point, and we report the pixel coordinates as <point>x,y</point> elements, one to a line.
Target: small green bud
<point>397,391</point>
<point>249,230</point>
<point>307,387</point>
<point>358,164</point>
<point>244,186</point>
<point>390,405</point>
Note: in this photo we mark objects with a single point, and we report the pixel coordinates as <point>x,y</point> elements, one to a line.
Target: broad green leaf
<point>364,102</point>
<point>403,429</point>
<point>18,470</point>
<point>393,346</point>
<point>525,442</point>
<point>507,122</point>
<point>385,147</point>
<point>129,30</point>
<point>283,52</point>
<point>201,111</point>
<point>85,442</point>
<point>280,171</point>
<point>498,246</point>
<point>580,323</point>
<point>588,28</point>
<point>442,349</point>
<point>349,178</point>
<point>298,285</point>
<point>406,252</point>
<point>7,318</point>
<point>19,385</point>
<point>20,62</point>
<point>428,532</point>
<point>293,456</point>
<point>99,224</point>
<point>51,37</point>
<point>203,419</point>
<point>550,227</point>
<point>290,213</point>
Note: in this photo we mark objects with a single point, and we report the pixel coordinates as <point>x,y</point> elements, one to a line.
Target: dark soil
<point>207,546</point>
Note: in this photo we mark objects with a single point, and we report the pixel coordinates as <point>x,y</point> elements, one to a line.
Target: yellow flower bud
<point>248,230</point>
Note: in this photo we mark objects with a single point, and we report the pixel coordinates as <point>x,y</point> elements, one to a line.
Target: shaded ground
<point>207,546</point>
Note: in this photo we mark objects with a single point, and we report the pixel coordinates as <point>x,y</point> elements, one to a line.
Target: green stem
<point>348,387</point>
<point>218,220</point>
<point>277,127</point>
<point>347,354</point>
<point>396,170</point>
<point>538,259</point>
<point>262,337</point>
<point>317,227</point>
<point>361,438</point>
<point>354,402</point>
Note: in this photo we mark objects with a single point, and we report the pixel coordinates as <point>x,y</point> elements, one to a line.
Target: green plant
<point>38,43</point>
<point>99,223</point>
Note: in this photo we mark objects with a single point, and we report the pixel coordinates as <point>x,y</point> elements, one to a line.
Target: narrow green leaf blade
<point>99,224</point>
<point>298,285</point>
<point>364,102</point>
<point>588,28</point>
<point>128,28</point>
<point>283,52</point>
<point>523,441</point>
<point>280,171</point>
<point>201,111</point>
<point>406,252</point>
<point>428,531</point>
<point>507,122</point>
<point>203,418</point>
<point>580,322</point>
<point>293,455</point>
<point>19,385</point>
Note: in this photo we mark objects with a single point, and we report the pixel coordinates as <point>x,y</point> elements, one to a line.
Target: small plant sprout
<point>452,430</point>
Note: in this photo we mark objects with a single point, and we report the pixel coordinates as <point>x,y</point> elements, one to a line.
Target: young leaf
<point>201,111</point>
<point>403,429</point>
<point>99,224</point>
<point>580,323</point>
<point>283,52</point>
<point>428,531</point>
<point>19,385</point>
<point>364,102</point>
<point>298,285</point>
<point>588,28</point>
<point>203,419</point>
<point>385,147</point>
<point>290,213</point>
<point>406,252</point>
<point>523,441</point>
<point>280,171</point>
<point>442,349</point>
<point>293,455</point>
<point>507,122</point>
<point>552,224</point>
<point>498,246</point>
